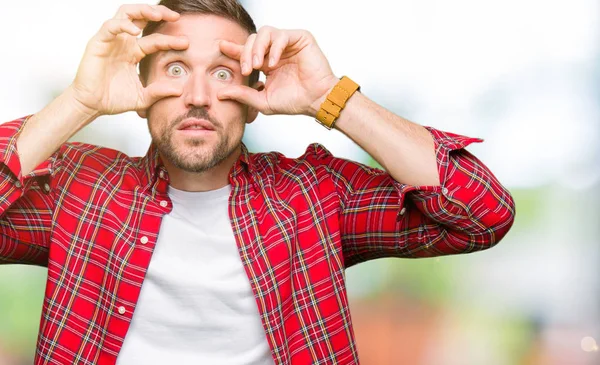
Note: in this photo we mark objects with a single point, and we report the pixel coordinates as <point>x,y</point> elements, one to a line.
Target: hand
<point>107,81</point>
<point>298,74</point>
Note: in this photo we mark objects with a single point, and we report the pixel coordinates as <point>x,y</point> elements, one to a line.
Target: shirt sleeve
<point>380,217</point>
<point>26,203</point>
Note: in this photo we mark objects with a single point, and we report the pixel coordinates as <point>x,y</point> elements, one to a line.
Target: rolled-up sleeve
<point>380,217</point>
<point>25,206</point>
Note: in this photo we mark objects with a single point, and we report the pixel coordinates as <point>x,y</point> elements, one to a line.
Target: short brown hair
<point>228,9</point>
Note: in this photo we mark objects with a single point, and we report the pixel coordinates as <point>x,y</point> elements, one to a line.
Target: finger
<point>231,50</point>
<point>113,27</point>
<point>261,45</point>
<point>160,90</point>
<point>160,42</point>
<point>246,58</point>
<point>277,48</point>
<point>245,95</point>
<point>143,13</point>
<point>167,14</point>
<point>153,13</point>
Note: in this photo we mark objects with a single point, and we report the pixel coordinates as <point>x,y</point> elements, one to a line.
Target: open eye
<point>175,70</point>
<point>223,75</point>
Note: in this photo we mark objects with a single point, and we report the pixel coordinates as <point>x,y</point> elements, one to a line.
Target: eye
<point>223,75</point>
<point>175,70</point>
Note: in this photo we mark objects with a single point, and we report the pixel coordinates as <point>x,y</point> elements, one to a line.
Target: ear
<point>142,113</point>
<point>253,112</point>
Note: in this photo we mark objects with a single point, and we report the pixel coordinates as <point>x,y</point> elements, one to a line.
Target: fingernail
<point>255,60</point>
<point>271,62</point>
<point>244,68</point>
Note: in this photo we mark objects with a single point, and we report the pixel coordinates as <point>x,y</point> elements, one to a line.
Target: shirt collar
<point>152,165</point>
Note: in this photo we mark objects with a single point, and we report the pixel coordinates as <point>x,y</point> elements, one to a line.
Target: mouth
<point>196,128</point>
<point>192,124</point>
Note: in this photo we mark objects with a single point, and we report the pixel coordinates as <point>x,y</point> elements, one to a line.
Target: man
<point>201,252</point>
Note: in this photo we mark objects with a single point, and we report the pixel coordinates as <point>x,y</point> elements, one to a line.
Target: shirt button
<point>18,185</point>
<point>46,187</point>
<point>121,310</point>
<point>161,174</point>
<point>164,203</point>
<point>144,240</point>
<point>445,191</point>
<point>402,211</point>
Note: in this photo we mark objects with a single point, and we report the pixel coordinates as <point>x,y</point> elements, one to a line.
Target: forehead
<point>204,30</point>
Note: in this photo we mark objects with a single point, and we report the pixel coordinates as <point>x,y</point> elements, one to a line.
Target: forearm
<point>406,150</point>
<point>48,129</point>
<point>382,218</point>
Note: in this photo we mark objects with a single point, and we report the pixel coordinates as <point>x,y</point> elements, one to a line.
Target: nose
<point>197,91</point>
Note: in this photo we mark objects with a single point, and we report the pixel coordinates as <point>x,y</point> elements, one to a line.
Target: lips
<point>191,124</point>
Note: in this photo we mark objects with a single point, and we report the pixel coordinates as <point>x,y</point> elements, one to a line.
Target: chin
<point>199,159</point>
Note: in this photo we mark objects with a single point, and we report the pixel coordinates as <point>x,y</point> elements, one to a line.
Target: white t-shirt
<point>196,305</point>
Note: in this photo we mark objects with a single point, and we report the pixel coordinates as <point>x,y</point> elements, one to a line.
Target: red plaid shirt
<point>92,216</point>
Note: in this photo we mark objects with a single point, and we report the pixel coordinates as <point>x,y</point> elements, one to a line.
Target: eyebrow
<point>175,53</point>
<point>162,54</point>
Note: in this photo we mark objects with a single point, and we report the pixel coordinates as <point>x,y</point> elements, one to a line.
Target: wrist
<point>328,85</point>
<point>81,111</point>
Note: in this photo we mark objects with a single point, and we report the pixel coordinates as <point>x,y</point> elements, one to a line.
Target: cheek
<point>233,117</point>
<point>233,109</point>
<point>161,112</point>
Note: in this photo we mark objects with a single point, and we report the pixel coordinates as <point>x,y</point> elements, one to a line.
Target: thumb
<point>245,95</point>
<point>159,90</point>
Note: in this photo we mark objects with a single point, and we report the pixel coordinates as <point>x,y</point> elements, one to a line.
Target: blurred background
<point>522,74</point>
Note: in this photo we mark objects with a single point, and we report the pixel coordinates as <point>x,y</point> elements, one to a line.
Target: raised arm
<point>107,82</point>
<point>434,198</point>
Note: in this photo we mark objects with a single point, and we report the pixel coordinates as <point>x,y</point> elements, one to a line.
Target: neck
<point>211,179</point>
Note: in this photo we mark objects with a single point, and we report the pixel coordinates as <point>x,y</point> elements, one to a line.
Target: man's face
<point>196,131</point>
